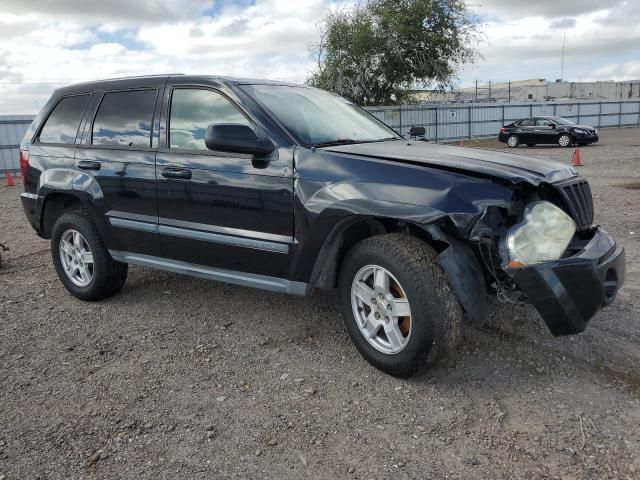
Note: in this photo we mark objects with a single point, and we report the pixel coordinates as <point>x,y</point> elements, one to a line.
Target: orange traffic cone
<point>575,161</point>
<point>10,182</point>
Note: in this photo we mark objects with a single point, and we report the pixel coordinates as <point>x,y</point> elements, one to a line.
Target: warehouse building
<point>535,90</point>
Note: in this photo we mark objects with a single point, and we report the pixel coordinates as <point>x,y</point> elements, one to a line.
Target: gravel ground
<point>183,378</point>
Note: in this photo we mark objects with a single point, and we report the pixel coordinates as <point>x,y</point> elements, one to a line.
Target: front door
<point>218,209</point>
<point>545,133</point>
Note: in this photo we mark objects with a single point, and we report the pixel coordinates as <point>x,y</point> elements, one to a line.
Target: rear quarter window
<point>124,119</point>
<point>62,125</point>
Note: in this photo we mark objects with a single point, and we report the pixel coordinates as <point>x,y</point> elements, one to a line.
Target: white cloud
<point>620,71</point>
<point>529,44</point>
<point>127,11</point>
<point>69,41</point>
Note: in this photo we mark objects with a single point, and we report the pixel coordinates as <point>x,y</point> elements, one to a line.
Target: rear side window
<point>124,119</point>
<point>62,125</point>
<point>529,122</point>
<point>193,110</point>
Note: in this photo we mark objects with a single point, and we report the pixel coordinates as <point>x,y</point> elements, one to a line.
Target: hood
<point>470,161</point>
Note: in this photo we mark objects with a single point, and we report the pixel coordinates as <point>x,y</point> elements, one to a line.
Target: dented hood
<point>505,166</point>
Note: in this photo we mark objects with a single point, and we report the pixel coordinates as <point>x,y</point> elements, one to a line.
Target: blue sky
<point>44,44</point>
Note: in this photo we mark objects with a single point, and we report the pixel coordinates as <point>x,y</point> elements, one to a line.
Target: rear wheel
<point>513,141</point>
<point>82,261</point>
<point>565,140</point>
<point>397,305</point>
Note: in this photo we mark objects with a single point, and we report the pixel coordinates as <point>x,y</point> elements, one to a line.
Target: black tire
<point>561,140</point>
<point>108,275</point>
<point>436,315</point>
<point>530,145</point>
<point>513,141</point>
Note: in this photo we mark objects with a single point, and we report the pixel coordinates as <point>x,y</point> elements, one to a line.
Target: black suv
<point>547,131</point>
<point>293,189</point>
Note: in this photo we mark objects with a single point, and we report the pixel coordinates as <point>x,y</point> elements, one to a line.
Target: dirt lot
<point>183,378</point>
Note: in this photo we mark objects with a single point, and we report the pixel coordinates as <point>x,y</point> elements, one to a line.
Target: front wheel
<point>513,141</point>
<point>397,305</point>
<point>82,261</point>
<point>565,140</point>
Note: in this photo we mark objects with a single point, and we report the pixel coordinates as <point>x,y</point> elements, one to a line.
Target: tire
<point>106,275</point>
<point>565,140</point>
<point>530,145</point>
<point>513,141</point>
<point>435,316</point>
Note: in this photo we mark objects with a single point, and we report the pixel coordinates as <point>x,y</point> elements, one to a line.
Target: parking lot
<point>178,377</point>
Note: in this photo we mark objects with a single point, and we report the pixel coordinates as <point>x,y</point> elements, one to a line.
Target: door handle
<point>176,172</point>
<point>88,165</point>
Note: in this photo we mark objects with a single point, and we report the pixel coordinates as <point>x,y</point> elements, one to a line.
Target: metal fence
<point>12,129</point>
<point>443,122</point>
<point>453,121</point>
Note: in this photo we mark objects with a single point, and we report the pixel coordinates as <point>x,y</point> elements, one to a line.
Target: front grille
<point>577,201</point>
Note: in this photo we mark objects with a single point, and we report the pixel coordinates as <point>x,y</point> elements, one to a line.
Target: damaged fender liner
<point>569,292</point>
<point>464,274</point>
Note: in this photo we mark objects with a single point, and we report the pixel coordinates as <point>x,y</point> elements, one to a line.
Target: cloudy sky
<point>48,43</point>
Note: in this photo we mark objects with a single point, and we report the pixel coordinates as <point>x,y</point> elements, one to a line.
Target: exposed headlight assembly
<point>543,235</point>
<point>579,131</point>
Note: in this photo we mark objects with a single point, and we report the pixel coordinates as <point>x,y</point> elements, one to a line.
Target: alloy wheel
<point>381,309</point>
<point>564,141</point>
<point>76,258</point>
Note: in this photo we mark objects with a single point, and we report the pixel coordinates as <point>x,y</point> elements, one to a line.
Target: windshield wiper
<point>350,141</point>
<point>339,141</point>
<point>383,139</point>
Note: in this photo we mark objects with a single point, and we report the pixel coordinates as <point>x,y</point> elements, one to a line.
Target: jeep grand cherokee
<point>292,189</point>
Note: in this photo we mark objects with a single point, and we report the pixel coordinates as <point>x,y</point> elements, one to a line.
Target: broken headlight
<point>543,235</point>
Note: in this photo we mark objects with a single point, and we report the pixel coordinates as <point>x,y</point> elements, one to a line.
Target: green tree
<point>377,51</point>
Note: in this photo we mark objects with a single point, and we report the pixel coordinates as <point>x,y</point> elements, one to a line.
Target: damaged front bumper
<point>568,292</point>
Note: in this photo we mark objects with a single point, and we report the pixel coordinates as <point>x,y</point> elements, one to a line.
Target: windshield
<point>318,118</point>
<point>562,121</point>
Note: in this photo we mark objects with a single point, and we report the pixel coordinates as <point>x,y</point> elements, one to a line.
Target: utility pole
<point>564,39</point>
<point>476,90</point>
<point>489,90</point>
<point>509,91</point>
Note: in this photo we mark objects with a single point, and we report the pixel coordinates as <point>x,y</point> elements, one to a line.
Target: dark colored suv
<point>293,189</point>
<point>547,131</point>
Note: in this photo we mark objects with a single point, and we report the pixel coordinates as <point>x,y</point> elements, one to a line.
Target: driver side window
<point>543,122</point>
<point>193,110</point>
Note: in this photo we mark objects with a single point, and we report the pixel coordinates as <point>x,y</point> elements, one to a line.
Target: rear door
<point>54,146</point>
<point>525,131</point>
<point>116,166</point>
<point>218,209</point>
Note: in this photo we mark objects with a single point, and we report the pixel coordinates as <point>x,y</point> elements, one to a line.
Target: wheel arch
<point>455,256</point>
<point>56,203</point>
<point>350,231</point>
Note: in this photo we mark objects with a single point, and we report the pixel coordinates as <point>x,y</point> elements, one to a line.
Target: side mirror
<point>236,138</point>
